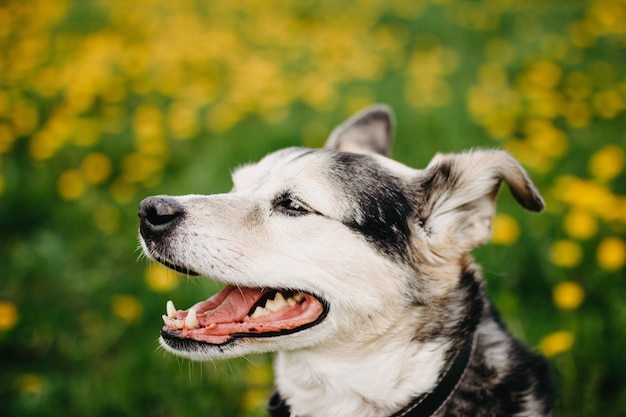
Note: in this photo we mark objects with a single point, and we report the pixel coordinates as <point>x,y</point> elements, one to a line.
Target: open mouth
<point>241,312</point>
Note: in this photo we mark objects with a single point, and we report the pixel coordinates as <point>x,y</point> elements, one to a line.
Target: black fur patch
<point>384,209</point>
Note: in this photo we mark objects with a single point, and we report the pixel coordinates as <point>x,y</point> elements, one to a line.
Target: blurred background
<point>104,102</point>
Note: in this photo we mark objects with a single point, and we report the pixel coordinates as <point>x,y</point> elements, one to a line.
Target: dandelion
<point>31,384</point>
<point>107,218</point>
<point>259,379</point>
<point>127,307</point>
<point>71,185</point>
<point>506,230</point>
<point>7,137</point>
<point>608,104</point>
<point>148,123</point>
<point>607,163</point>
<point>122,191</point>
<point>556,343</point>
<point>578,85</point>
<point>577,113</point>
<point>86,131</point>
<point>568,295</point>
<point>139,167</point>
<point>545,138</point>
<point>160,279</point>
<point>96,167</point>
<point>222,117</point>
<point>581,34</point>
<point>543,74</point>
<point>611,254</point>
<point>565,253</point>
<point>182,120</point>
<point>580,224</point>
<point>25,117</point>
<point>8,315</point>
<point>254,399</point>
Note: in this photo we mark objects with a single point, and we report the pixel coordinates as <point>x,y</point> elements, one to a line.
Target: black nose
<point>158,215</point>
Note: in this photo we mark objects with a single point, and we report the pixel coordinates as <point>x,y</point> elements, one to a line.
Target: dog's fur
<point>385,249</point>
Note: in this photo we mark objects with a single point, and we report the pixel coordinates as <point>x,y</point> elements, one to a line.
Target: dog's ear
<point>369,131</point>
<point>459,192</point>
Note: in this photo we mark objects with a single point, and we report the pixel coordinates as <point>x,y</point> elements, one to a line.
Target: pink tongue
<point>231,304</point>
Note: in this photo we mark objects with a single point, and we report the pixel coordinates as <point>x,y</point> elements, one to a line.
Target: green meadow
<point>105,102</point>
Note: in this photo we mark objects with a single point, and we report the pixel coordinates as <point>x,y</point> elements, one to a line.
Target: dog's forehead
<point>318,164</point>
<point>250,175</point>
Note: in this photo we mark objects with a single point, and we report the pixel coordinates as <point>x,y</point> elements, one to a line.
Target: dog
<point>357,271</point>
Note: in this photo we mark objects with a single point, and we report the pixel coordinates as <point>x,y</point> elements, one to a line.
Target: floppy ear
<point>458,193</point>
<point>369,131</point>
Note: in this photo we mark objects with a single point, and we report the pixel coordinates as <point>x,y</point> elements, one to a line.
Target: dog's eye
<point>291,207</point>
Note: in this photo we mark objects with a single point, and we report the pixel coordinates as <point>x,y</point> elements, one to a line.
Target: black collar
<point>422,406</point>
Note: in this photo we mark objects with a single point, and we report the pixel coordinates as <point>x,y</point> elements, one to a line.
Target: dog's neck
<point>426,404</point>
<point>379,377</point>
<point>340,382</point>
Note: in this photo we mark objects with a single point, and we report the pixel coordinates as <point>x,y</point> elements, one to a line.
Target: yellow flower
<point>568,295</point>
<point>8,315</point>
<point>581,224</point>
<point>581,34</point>
<point>607,163</point>
<point>588,195</point>
<point>545,139</point>
<point>122,191</point>
<point>577,113</point>
<point>138,167</point>
<point>182,120</point>
<point>7,137</point>
<point>160,279</point>
<point>578,85</point>
<point>611,254</point>
<point>71,185</point>
<point>97,167</point>
<point>32,384</point>
<point>608,104</point>
<point>543,74</point>
<point>107,218</point>
<point>506,230</point>
<point>254,399</point>
<point>565,253</point>
<point>127,307</point>
<point>556,343</point>
<point>148,123</point>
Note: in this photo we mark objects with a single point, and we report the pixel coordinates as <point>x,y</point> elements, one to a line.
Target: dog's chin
<point>239,319</point>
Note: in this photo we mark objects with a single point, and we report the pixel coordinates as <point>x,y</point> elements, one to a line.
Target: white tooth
<point>279,298</point>
<point>171,310</point>
<point>191,321</point>
<point>271,306</point>
<point>299,297</point>
<point>277,303</point>
<point>291,302</point>
<point>259,312</point>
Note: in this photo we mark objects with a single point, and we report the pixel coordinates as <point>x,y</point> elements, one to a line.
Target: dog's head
<point>309,242</point>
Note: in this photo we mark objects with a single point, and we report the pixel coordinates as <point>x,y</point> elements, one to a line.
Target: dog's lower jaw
<point>378,379</point>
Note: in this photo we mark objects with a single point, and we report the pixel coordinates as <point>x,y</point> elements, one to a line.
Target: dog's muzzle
<point>235,312</point>
<point>159,216</point>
